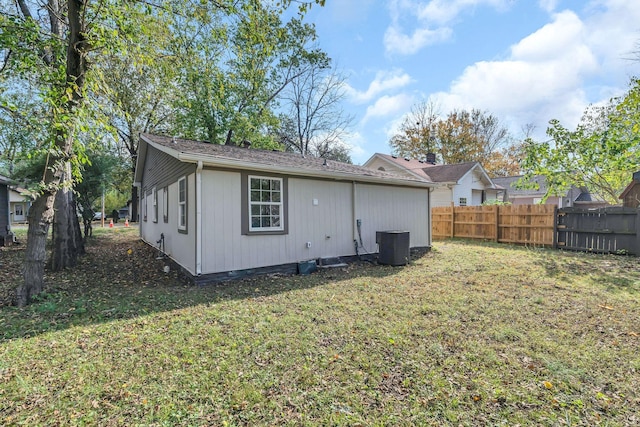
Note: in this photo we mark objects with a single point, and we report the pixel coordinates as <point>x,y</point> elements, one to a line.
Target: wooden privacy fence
<point>611,229</point>
<point>523,224</point>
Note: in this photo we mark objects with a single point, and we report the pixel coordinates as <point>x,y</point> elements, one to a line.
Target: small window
<point>144,205</point>
<point>381,168</point>
<point>155,204</point>
<point>463,201</point>
<point>182,204</point>
<point>265,204</point>
<point>165,204</point>
<point>19,211</point>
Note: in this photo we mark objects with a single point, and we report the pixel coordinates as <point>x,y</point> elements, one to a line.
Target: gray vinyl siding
<point>319,212</point>
<point>161,169</point>
<point>4,210</point>
<point>327,224</point>
<point>178,246</point>
<point>384,208</point>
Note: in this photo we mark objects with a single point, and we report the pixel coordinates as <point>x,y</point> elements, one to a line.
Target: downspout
<point>138,185</point>
<point>198,234</point>
<point>354,218</point>
<point>430,221</point>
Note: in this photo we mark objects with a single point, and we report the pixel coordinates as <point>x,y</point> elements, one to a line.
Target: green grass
<point>469,334</point>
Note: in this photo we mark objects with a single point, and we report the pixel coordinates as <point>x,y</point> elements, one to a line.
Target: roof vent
<point>394,157</point>
<point>407,159</point>
<point>431,158</point>
<point>324,163</point>
<point>246,143</point>
<point>173,139</point>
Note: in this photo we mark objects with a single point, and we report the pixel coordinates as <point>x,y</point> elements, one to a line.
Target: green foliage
<point>600,154</point>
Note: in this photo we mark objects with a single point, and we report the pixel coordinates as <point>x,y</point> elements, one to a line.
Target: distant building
<point>631,195</point>
<point>574,197</point>
<point>463,184</point>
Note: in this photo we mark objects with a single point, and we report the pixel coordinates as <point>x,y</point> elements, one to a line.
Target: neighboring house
<point>464,184</point>
<point>5,223</point>
<point>224,211</point>
<point>574,197</point>
<point>19,204</point>
<point>631,195</point>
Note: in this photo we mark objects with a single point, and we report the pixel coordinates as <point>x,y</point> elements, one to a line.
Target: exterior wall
<point>17,204</point>
<point>632,198</point>
<point>4,212</point>
<point>384,208</point>
<point>177,245</point>
<point>441,196</point>
<point>319,212</point>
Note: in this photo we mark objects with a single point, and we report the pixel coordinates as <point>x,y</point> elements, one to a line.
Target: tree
<point>235,71</point>
<point>315,122</point>
<point>97,176</point>
<point>417,134</point>
<point>600,154</point>
<point>469,136</point>
<point>139,99</point>
<point>50,50</point>
<point>463,136</point>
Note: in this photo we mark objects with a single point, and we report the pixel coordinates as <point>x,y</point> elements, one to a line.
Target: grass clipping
<point>469,334</point>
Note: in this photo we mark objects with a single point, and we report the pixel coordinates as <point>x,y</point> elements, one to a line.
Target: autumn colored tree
<point>463,136</point>
<point>417,134</point>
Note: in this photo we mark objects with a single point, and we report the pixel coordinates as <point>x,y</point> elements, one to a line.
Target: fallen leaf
<point>547,385</point>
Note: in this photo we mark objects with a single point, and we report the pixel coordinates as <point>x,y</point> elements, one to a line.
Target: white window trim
<point>154,202</point>
<point>280,204</point>
<point>165,204</point>
<point>183,204</point>
<point>144,204</point>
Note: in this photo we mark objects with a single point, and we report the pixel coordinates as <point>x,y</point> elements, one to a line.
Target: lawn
<point>469,334</point>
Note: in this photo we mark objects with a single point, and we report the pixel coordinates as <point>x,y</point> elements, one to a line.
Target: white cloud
<point>417,24</point>
<point>388,105</point>
<point>548,5</point>
<point>384,81</point>
<point>546,73</point>
<point>397,42</point>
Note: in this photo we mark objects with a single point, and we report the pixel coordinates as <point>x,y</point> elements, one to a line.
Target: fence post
<point>453,220</point>
<point>555,227</point>
<point>497,214</point>
<point>636,250</point>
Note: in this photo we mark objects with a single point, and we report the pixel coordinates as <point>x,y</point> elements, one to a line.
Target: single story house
<point>631,195</point>
<point>19,205</point>
<point>574,197</point>
<point>463,184</point>
<point>5,222</point>
<point>225,211</point>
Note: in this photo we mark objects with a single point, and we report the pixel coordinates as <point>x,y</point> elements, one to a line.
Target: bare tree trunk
<point>40,218</point>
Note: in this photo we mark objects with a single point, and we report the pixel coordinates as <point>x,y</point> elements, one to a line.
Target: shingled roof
<point>272,160</point>
<point>434,173</point>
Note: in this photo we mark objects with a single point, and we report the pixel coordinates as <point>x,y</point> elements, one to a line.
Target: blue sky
<point>524,61</point>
